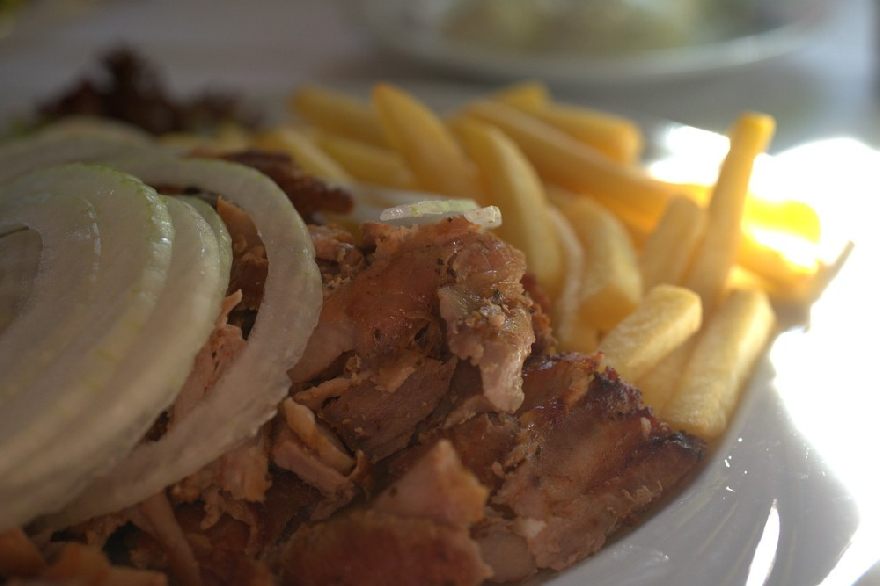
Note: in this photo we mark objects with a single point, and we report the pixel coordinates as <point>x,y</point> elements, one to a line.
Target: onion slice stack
<point>250,390</point>
<point>106,250</point>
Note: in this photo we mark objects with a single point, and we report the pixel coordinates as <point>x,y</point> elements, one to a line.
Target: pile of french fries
<point>672,283</point>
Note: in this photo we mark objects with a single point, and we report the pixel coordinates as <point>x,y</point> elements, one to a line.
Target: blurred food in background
<point>592,26</point>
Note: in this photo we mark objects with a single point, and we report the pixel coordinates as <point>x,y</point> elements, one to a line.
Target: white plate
<point>412,28</point>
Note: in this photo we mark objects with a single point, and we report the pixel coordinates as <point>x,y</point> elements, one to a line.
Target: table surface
<point>826,88</point>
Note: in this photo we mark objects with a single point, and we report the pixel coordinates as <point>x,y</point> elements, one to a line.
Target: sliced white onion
<point>249,392</point>
<point>432,211</point>
<point>107,242</point>
<point>74,140</point>
<point>20,250</point>
<point>220,232</point>
<point>154,367</point>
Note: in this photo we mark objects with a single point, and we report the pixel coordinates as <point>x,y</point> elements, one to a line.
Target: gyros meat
<point>431,433</point>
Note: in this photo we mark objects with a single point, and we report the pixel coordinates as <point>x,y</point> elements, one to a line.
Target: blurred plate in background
<point>589,41</point>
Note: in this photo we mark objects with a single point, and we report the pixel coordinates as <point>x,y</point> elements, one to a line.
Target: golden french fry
<point>794,217</point>
<point>561,159</point>
<point>304,152</point>
<point>723,358</point>
<point>366,162</point>
<point>572,335</point>
<point>437,161</point>
<point>717,252</point>
<point>666,317</point>
<point>660,383</point>
<point>528,94</point>
<point>616,137</point>
<point>611,286</point>
<point>510,182</point>
<point>337,113</point>
<point>669,248</point>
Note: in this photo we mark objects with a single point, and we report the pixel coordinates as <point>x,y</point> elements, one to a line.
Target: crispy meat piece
<point>599,458</point>
<point>440,289</point>
<point>415,533</point>
<point>307,194</point>
<point>381,422</point>
<point>484,443</point>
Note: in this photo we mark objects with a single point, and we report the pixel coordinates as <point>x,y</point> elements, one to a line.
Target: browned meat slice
<point>438,488</point>
<point>484,443</point>
<point>564,377</point>
<point>381,421</point>
<point>602,459</point>
<point>368,549</point>
<point>441,289</point>
<point>307,194</point>
<point>416,533</point>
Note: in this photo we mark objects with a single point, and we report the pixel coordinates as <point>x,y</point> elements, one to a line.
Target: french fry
<point>510,182</point>
<point>723,358</point>
<point>794,217</point>
<point>337,113</point>
<point>436,159</point>
<point>717,253</point>
<point>616,137</point>
<point>561,159</point>
<point>304,152</point>
<point>660,383</point>
<point>528,94</point>
<point>571,335</point>
<point>669,247</point>
<point>666,317</point>
<point>366,162</point>
<point>611,286</point>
